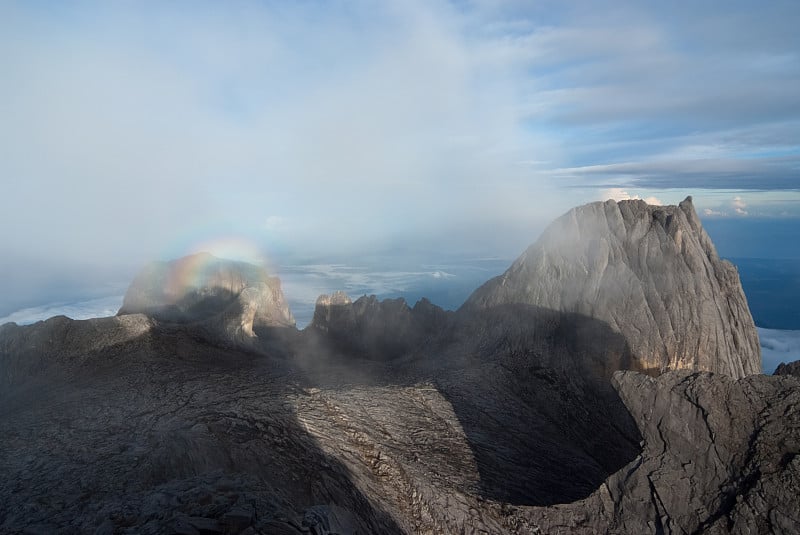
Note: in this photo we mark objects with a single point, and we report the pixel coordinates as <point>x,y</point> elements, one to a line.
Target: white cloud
<point>360,122</point>
<point>710,212</point>
<point>619,194</point>
<point>232,114</point>
<point>739,206</point>
<point>93,308</point>
<point>778,346</point>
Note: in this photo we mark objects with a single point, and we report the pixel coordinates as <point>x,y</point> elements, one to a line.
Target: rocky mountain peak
<point>651,273</point>
<point>509,416</point>
<point>234,297</point>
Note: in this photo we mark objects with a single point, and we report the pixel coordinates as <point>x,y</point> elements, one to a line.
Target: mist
<point>301,131</point>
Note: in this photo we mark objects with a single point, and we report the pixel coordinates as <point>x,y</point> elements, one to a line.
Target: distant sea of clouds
<point>80,310</point>
<point>778,346</point>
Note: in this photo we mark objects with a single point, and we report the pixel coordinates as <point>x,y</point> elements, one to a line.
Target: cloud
<point>757,175</point>
<point>358,280</point>
<point>739,206</point>
<point>93,308</point>
<point>713,213</point>
<point>338,118</point>
<point>618,194</point>
<point>778,346</point>
<point>323,128</point>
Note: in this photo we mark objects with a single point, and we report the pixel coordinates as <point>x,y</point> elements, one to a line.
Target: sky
<point>283,131</point>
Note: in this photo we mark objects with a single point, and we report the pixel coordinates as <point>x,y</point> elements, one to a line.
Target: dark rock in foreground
<point>29,352</point>
<point>155,435</point>
<point>206,411</point>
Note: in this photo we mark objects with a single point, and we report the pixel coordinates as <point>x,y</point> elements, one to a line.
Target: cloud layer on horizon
<point>93,308</point>
<point>778,346</point>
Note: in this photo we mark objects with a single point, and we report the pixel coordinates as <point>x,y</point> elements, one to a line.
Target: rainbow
<point>198,261</point>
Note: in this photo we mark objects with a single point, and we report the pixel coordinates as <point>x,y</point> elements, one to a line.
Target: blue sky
<point>135,131</point>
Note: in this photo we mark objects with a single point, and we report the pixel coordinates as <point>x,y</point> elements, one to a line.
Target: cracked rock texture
<point>165,433</point>
<point>720,456</point>
<point>504,417</point>
<point>649,272</point>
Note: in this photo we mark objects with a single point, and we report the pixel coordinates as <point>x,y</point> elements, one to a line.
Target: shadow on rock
<point>530,388</point>
<point>159,432</point>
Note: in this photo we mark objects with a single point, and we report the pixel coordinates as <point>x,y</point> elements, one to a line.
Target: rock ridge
<point>382,329</point>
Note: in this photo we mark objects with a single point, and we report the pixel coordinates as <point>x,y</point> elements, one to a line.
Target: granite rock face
<point>234,298</point>
<point>30,351</point>
<point>369,327</point>
<point>792,368</point>
<point>651,273</point>
<point>167,434</point>
<point>507,417</point>
<point>720,456</point>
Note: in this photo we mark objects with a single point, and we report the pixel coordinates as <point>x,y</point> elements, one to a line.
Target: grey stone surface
<point>30,351</point>
<point>791,368</point>
<point>720,456</point>
<point>382,329</point>
<point>505,417</point>
<point>234,299</point>
<point>184,430</point>
<point>651,273</point>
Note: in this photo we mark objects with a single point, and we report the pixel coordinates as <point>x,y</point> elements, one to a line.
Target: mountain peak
<point>234,296</point>
<point>649,272</point>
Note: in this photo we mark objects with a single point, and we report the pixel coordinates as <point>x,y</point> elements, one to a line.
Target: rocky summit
<point>607,383</point>
<point>651,273</point>
<point>235,299</point>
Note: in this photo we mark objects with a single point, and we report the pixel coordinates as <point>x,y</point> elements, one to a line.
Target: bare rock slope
<point>508,416</point>
<point>650,273</point>
<point>720,456</point>
<point>176,436</point>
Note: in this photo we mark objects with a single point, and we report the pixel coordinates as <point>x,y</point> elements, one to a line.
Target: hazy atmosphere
<point>399,267</point>
<point>311,135</point>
